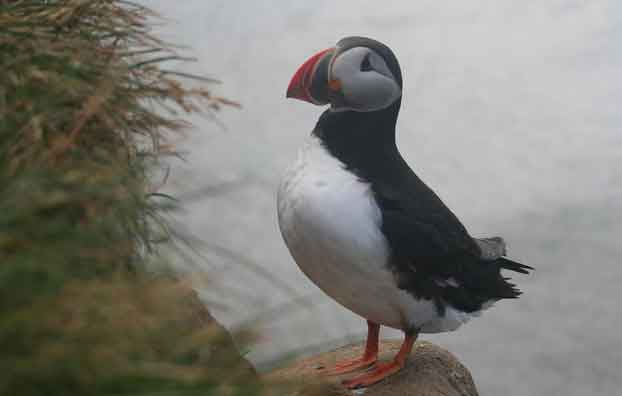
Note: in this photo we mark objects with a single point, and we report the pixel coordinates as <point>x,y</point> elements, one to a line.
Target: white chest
<point>322,205</point>
<point>332,226</point>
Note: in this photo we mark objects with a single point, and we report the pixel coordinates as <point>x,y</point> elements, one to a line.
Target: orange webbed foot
<point>381,372</point>
<point>385,370</point>
<point>370,356</point>
<point>349,366</point>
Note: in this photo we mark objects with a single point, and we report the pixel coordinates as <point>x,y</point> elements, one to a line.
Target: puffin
<point>364,228</point>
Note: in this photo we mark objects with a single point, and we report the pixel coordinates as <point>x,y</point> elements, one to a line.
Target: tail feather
<point>513,266</point>
<point>507,289</point>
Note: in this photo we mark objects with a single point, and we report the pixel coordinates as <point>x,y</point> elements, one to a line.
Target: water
<point>510,113</point>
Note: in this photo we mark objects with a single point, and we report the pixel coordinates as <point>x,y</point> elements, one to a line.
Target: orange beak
<point>300,85</point>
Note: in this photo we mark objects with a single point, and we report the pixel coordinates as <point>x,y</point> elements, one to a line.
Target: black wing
<point>433,255</point>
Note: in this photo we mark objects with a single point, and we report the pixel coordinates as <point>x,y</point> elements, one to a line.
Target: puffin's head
<point>358,74</point>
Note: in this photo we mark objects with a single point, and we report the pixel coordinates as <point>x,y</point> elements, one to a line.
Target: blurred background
<point>510,113</point>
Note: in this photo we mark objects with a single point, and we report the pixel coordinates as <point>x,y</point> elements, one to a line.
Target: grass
<point>87,113</point>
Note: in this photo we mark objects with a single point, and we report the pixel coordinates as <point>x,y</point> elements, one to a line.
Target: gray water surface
<point>510,113</point>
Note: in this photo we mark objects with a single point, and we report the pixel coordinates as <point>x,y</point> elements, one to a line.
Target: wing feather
<point>433,255</point>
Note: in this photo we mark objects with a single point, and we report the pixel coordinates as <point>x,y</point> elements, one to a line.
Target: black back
<point>432,254</point>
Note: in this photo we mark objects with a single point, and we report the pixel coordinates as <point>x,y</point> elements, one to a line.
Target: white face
<point>366,83</point>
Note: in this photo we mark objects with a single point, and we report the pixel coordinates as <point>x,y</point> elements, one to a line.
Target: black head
<point>358,74</point>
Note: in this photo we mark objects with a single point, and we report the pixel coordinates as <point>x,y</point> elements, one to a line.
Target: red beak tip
<point>300,84</point>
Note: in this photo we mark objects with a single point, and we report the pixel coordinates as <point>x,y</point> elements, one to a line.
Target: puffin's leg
<point>382,371</point>
<point>369,356</point>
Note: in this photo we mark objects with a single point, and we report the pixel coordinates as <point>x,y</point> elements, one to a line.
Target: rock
<point>430,371</point>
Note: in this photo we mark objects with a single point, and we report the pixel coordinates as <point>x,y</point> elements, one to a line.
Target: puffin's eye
<point>366,64</point>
